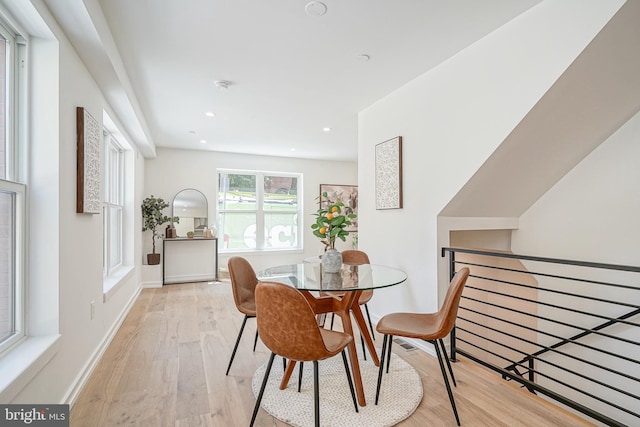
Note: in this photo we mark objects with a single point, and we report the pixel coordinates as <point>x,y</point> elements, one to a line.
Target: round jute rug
<point>400,394</point>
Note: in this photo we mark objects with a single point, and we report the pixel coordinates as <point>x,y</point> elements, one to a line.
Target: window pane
<point>238,230</point>
<point>7,291</point>
<point>115,250</point>
<point>279,192</point>
<point>281,230</point>
<point>237,192</point>
<point>113,175</point>
<point>3,106</point>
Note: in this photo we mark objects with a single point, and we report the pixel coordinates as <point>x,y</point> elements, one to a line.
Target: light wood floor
<point>166,367</point>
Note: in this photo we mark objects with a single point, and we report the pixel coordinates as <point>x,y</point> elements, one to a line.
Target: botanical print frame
<point>88,184</point>
<point>388,170</point>
<point>347,194</point>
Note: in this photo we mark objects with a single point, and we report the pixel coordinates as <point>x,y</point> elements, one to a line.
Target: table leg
<point>287,374</point>
<point>344,312</point>
<point>364,330</point>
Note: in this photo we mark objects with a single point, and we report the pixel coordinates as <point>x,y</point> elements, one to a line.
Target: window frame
<point>14,173</point>
<point>111,204</point>
<point>261,242</point>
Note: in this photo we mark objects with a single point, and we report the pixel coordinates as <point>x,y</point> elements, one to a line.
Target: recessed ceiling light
<point>292,149</point>
<point>203,141</point>
<point>326,129</point>
<point>315,8</point>
<point>192,131</point>
<point>209,114</point>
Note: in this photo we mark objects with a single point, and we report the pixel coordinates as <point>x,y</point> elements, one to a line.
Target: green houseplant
<point>152,218</point>
<point>331,223</point>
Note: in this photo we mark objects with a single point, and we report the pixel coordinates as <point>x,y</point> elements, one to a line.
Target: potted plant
<point>190,234</point>
<point>153,217</point>
<point>330,224</point>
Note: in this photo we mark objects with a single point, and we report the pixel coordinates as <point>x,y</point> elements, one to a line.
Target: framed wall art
<point>388,170</point>
<point>88,184</point>
<point>347,194</point>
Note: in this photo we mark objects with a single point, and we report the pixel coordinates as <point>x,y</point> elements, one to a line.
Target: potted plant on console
<point>152,218</point>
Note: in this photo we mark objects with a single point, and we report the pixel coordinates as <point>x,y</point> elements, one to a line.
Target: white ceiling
<point>291,74</point>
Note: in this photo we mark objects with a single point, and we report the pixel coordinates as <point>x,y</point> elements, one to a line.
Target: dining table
<point>337,293</point>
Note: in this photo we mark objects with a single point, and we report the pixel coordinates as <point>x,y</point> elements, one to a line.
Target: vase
<point>331,261</point>
<point>331,281</point>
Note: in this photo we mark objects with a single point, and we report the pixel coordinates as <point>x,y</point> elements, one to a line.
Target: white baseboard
<point>186,278</point>
<point>153,284</point>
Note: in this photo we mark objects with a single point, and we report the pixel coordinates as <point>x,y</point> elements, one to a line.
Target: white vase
<point>331,261</point>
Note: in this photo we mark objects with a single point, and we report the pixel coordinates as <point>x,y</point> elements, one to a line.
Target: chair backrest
<point>354,257</point>
<point>243,283</point>
<point>287,324</point>
<point>449,310</point>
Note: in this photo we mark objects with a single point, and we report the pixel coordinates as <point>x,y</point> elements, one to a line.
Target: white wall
<point>65,248</point>
<point>592,214</point>
<point>451,120</point>
<point>174,170</point>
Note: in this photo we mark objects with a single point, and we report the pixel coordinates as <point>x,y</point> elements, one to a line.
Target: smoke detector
<point>222,84</point>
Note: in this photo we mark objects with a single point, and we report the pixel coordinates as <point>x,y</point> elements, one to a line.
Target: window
<point>12,193</point>
<point>259,210</point>
<point>113,206</point>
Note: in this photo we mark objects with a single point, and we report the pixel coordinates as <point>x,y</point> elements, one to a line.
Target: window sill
<point>112,283</point>
<point>22,362</point>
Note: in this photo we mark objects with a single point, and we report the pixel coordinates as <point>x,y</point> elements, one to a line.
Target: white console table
<point>189,260</point>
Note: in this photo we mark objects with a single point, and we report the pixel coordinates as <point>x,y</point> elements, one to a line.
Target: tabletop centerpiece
<point>331,221</point>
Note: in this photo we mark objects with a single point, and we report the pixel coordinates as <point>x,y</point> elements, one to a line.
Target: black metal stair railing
<point>565,329</point>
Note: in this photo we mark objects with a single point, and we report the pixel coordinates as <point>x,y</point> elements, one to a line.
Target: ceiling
<point>290,73</point>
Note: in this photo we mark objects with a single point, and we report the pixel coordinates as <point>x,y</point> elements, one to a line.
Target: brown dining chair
<point>243,283</point>
<point>287,326</point>
<point>431,327</point>
<point>356,257</point>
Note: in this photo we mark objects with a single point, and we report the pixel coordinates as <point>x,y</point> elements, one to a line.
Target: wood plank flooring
<point>166,367</point>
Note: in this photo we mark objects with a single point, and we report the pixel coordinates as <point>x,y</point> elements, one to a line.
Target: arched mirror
<point>190,205</point>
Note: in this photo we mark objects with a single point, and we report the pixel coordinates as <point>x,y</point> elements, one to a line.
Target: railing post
<point>452,336</point>
<point>532,370</point>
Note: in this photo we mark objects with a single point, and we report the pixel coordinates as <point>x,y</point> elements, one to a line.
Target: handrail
<point>618,267</point>
<point>491,330</point>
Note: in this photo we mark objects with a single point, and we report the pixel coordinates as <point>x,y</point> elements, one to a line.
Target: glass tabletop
<point>309,276</point>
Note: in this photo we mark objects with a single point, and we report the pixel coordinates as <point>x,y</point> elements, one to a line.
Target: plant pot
<point>153,259</point>
<point>331,261</point>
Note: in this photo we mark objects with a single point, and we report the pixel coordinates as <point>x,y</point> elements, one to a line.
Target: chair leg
<point>366,309</point>
<point>446,357</point>
<point>300,376</point>
<point>255,341</point>
<point>446,382</point>
<point>346,368</point>
<point>235,348</point>
<point>381,369</point>
<point>389,353</point>
<point>316,392</point>
<point>364,353</point>
<point>333,316</point>
<point>264,385</point>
